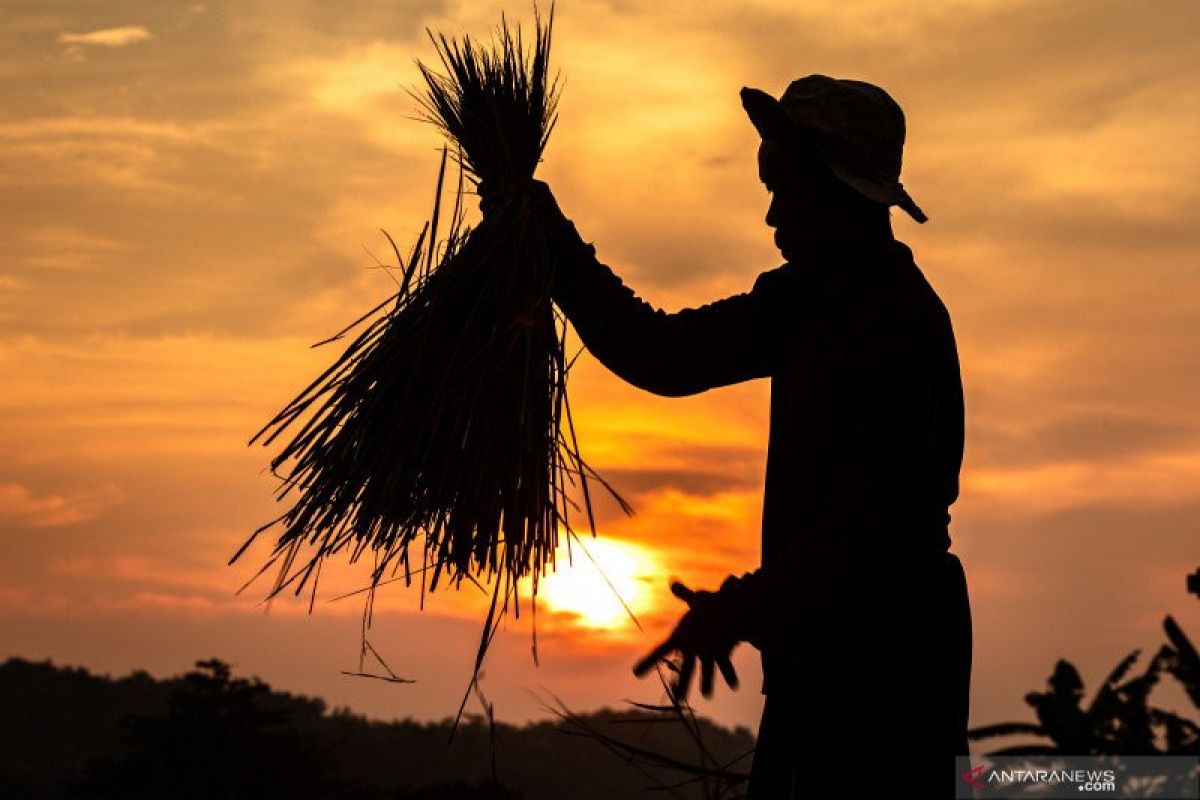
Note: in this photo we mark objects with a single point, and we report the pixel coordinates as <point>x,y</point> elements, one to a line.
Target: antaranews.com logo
<point>1159,777</point>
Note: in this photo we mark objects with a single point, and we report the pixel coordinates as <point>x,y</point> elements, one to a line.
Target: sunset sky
<point>191,194</point>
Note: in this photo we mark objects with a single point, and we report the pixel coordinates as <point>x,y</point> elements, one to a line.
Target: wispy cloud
<point>43,510</point>
<point>108,37</point>
<point>67,247</point>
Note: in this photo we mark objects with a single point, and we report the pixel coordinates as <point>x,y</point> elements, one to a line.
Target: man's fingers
<point>727,671</point>
<point>647,663</point>
<point>682,592</point>
<point>685,676</point>
<point>706,677</point>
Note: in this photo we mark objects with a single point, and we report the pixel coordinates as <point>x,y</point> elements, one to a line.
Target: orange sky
<point>189,188</point>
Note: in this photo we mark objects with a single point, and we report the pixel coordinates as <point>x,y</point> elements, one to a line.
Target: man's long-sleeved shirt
<point>866,422</point>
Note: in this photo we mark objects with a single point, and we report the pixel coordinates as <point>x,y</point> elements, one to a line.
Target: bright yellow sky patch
<point>604,581</point>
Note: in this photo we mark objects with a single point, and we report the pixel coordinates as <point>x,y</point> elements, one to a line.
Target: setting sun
<point>578,586</point>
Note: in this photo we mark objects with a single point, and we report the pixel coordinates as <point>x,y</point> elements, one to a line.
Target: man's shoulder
<point>917,294</point>
<point>776,277</point>
<point>900,311</point>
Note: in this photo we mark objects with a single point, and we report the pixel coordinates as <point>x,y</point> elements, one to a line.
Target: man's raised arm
<point>735,339</point>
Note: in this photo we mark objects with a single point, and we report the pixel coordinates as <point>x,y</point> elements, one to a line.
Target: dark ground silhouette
<point>67,733</point>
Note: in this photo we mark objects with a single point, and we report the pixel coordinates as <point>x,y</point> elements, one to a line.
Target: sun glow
<point>578,586</point>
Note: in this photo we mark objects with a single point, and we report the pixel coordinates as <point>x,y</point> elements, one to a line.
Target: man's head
<point>810,207</point>
<point>833,148</point>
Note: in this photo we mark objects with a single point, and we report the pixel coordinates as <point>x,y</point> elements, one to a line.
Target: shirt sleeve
<point>735,339</point>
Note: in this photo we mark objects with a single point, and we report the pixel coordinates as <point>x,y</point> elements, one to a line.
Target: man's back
<point>866,410</point>
<point>866,438</point>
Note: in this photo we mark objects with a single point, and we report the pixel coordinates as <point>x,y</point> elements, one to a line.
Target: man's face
<point>804,203</point>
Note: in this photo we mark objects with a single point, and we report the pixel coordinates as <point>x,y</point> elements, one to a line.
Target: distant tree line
<point>65,733</point>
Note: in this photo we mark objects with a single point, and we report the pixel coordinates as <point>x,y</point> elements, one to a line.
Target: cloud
<point>244,145</point>
<point>66,247</point>
<point>21,504</point>
<point>1089,435</point>
<point>137,569</point>
<point>691,468</point>
<point>108,37</point>
<point>642,481</point>
<point>104,400</point>
<point>1136,556</point>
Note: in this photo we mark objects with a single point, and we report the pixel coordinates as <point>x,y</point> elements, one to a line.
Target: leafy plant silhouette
<point>1120,719</point>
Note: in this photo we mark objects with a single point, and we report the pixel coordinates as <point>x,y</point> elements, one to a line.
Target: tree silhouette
<point>221,737</point>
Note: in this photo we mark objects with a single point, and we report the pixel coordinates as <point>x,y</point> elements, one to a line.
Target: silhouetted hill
<point>67,733</point>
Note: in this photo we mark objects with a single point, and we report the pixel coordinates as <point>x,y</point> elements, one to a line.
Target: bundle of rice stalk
<point>444,427</point>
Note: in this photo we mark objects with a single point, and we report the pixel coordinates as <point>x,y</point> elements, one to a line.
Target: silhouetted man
<point>859,609</point>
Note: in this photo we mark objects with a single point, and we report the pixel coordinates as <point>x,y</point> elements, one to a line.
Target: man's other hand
<point>704,634</point>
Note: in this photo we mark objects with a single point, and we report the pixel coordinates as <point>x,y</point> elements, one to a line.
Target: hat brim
<point>890,194</point>
<point>772,122</point>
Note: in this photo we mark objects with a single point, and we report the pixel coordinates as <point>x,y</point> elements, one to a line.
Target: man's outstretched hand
<point>535,196</point>
<point>704,634</point>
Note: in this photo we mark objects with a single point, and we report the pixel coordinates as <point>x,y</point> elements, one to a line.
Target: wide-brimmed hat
<point>853,127</point>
